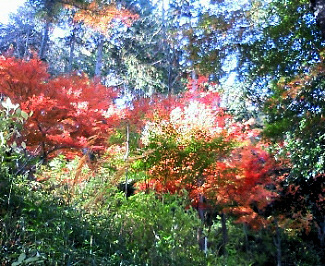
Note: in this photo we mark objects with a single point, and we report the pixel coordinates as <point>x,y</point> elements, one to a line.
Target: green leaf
<point>24,115</point>
<point>21,258</point>
<point>33,259</point>
<point>23,145</point>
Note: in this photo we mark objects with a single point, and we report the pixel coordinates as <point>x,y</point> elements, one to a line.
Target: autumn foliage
<point>64,112</point>
<point>101,17</point>
<point>197,147</point>
<point>192,143</point>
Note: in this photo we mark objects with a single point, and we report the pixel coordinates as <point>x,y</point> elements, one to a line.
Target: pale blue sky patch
<point>7,7</point>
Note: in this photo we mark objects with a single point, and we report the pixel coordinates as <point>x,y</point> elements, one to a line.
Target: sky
<point>7,7</point>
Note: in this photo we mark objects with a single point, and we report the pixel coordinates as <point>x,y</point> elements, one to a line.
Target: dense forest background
<point>176,132</point>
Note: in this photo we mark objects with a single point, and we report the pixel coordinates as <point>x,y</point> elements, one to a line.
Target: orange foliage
<point>101,17</point>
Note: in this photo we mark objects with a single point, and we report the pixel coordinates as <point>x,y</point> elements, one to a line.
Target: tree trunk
<point>224,234</point>
<point>194,80</point>
<point>26,52</point>
<point>45,40</point>
<point>246,237</point>
<point>277,242</point>
<point>99,58</point>
<point>18,50</point>
<point>202,240</point>
<point>321,232</point>
<point>318,7</point>
<point>72,46</point>
<point>126,157</point>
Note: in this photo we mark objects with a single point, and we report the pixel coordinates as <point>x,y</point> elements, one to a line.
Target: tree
<point>318,7</point>
<point>94,13</point>
<point>21,34</point>
<point>48,11</point>
<point>140,56</point>
<point>294,118</point>
<point>194,145</point>
<point>66,112</point>
<point>102,17</point>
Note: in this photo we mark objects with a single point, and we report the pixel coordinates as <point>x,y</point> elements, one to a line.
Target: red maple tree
<point>65,112</point>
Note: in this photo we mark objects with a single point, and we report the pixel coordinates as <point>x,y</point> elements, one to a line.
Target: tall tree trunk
<point>72,47</point>
<point>321,232</point>
<point>246,237</point>
<point>194,80</point>
<point>318,7</point>
<point>201,238</point>
<point>26,52</point>
<point>277,243</point>
<point>99,58</point>
<point>126,157</point>
<point>169,82</point>
<point>18,50</point>
<point>45,40</point>
<point>224,233</point>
